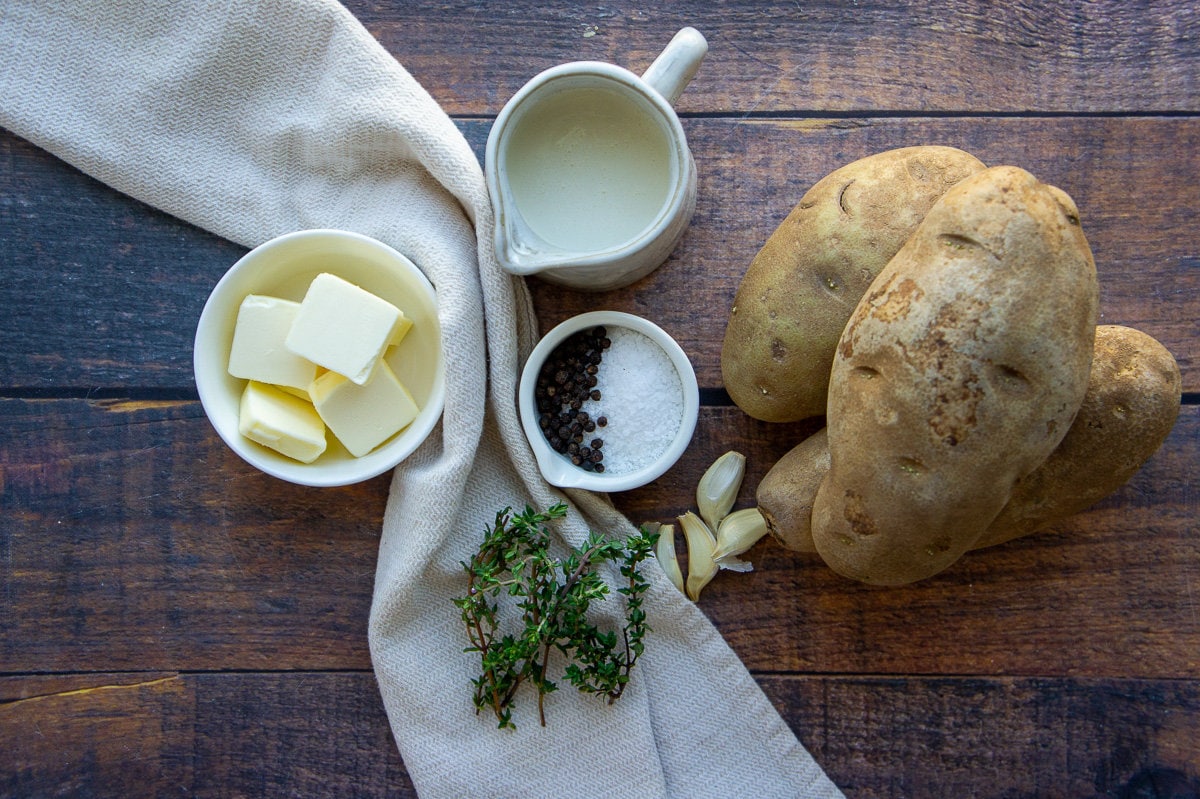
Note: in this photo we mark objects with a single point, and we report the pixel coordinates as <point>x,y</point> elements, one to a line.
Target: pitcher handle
<point>676,65</point>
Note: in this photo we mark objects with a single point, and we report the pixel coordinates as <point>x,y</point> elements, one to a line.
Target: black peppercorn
<point>567,379</point>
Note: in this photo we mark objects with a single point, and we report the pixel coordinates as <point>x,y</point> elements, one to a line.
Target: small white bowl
<point>283,267</point>
<point>556,467</point>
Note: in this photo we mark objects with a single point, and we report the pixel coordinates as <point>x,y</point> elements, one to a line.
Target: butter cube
<point>363,417</point>
<point>281,421</point>
<point>402,327</point>
<point>259,353</point>
<point>343,327</point>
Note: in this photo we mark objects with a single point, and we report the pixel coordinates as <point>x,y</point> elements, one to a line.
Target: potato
<point>1131,405</point>
<point>800,289</point>
<point>958,374</point>
<point>785,494</point>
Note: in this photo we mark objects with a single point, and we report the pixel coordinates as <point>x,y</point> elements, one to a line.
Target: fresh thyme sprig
<point>553,598</point>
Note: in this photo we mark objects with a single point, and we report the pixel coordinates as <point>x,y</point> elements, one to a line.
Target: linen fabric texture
<point>254,118</point>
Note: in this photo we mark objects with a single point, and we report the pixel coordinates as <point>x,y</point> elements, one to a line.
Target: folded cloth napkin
<point>252,118</point>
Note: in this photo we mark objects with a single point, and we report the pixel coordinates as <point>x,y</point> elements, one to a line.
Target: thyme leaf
<point>515,572</point>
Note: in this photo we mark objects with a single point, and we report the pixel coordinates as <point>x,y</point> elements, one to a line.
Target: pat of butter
<point>258,351</point>
<point>363,417</point>
<point>281,421</point>
<point>343,327</point>
<point>402,327</point>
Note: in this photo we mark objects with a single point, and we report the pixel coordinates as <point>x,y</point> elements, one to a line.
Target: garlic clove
<point>700,543</point>
<point>665,553</point>
<point>738,532</point>
<point>718,488</point>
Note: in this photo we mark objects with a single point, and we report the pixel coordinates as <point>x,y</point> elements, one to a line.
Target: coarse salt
<point>641,396</point>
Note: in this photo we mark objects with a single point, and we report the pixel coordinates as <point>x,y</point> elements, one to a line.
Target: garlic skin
<point>700,543</point>
<point>664,552</point>
<point>738,532</point>
<point>734,564</point>
<point>718,488</point>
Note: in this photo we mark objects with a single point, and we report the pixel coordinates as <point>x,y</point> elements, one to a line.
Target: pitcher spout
<point>520,250</point>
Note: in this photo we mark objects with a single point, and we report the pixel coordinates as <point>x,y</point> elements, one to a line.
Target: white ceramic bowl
<point>283,267</point>
<point>557,468</point>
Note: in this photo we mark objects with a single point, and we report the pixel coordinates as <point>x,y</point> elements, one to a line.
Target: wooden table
<point>175,623</point>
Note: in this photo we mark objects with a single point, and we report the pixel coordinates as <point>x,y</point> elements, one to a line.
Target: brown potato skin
<point>958,374</point>
<point>1131,405</point>
<point>785,494</point>
<point>801,287</point>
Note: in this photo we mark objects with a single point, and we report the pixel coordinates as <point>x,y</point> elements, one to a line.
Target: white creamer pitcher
<point>589,170</point>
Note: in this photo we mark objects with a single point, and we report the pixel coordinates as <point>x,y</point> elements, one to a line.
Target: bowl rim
<point>555,468</point>
<point>205,360</point>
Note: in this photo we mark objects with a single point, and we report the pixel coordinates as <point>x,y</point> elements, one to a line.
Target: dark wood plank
<point>199,735</point>
<point>105,735</point>
<point>176,623</point>
<point>997,739</point>
<point>127,295</point>
<point>192,560</point>
<point>100,290</point>
<point>304,734</point>
<point>295,734</point>
<point>947,56</point>
<point>135,537</point>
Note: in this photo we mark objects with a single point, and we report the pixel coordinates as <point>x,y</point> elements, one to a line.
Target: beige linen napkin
<point>251,118</point>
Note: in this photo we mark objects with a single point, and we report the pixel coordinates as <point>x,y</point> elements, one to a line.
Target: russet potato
<point>786,493</point>
<point>1130,407</point>
<point>959,372</point>
<point>800,289</point>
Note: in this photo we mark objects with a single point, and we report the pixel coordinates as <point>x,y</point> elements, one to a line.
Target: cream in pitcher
<point>589,170</point>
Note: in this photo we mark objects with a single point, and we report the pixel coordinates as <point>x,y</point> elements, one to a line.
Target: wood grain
<point>175,623</point>
<point>949,56</point>
<point>306,734</point>
<point>126,297</point>
<point>192,560</point>
<point>137,540</point>
<point>98,737</point>
<point>978,737</point>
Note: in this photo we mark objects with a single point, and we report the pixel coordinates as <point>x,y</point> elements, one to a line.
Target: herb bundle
<point>552,597</point>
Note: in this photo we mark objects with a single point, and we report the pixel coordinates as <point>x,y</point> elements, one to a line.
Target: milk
<point>590,168</point>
